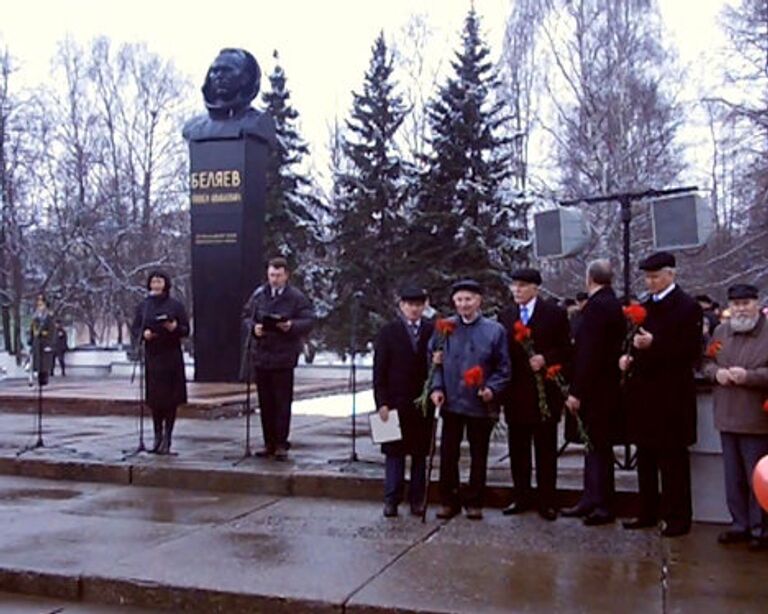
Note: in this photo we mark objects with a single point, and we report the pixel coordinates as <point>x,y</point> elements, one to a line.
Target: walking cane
<point>430,464</point>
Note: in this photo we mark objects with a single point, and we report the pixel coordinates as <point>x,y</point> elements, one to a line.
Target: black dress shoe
<point>264,452</point>
<point>577,511</point>
<point>548,513</point>
<point>595,519</point>
<point>417,509</point>
<point>675,529</point>
<point>639,523</point>
<point>390,510</point>
<point>446,512</point>
<point>734,537</point>
<point>518,507</point>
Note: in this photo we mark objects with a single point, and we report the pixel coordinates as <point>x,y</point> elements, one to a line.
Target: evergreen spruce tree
<point>368,221</point>
<point>291,207</point>
<point>463,225</point>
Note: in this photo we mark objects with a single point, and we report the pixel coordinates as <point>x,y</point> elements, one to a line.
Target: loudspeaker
<point>681,221</point>
<point>559,232</point>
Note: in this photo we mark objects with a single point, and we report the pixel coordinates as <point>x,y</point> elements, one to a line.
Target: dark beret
<point>703,298</point>
<point>531,276</point>
<point>466,284</point>
<point>738,291</point>
<point>413,293</point>
<point>657,261</point>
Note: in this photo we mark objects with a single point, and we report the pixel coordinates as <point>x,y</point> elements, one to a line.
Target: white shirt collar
<point>662,295</point>
<point>530,306</point>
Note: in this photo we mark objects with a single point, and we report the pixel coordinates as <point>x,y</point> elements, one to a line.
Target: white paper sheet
<point>384,432</point>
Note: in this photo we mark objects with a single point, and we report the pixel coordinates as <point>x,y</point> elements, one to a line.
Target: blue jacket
<point>483,342</point>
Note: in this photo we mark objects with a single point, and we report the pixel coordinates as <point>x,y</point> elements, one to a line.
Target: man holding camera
<point>276,317</point>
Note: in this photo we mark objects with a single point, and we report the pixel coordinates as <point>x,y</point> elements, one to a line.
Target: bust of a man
<point>231,84</point>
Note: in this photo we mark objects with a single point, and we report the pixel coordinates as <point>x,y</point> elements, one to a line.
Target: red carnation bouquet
<point>474,377</point>
<point>713,349</point>
<point>444,327</point>
<point>523,335</point>
<point>635,315</point>
<point>554,374</point>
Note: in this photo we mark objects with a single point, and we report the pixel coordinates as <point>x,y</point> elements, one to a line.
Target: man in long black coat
<point>594,391</point>
<point>551,337</point>
<point>661,398</point>
<point>399,372</point>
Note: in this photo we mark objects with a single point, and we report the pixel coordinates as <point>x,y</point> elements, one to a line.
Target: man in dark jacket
<point>594,391</point>
<point>60,348</point>
<point>661,397</point>
<point>399,371</point>
<point>472,374</point>
<point>277,316</point>
<point>527,425</point>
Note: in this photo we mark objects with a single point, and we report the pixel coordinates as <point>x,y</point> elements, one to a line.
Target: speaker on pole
<point>559,233</point>
<point>681,221</point>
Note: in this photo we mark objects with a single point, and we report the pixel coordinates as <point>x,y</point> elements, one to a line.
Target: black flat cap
<point>470,285</point>
<point>530,276</point>
<point>413,293</point>
<point>703,298</point>
<point>742,291</point>
<point>657,261</point>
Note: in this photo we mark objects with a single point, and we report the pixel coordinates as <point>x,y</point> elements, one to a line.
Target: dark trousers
<point>741,453</point>
<point>543,437</point>
<point>479,435</point>
<point>599,481</point>
<point>674,504</point>
<point>395,476</point>
<point>60,358</point>
<point>275,388</point>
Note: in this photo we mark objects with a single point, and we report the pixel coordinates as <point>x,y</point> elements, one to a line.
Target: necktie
<point>414,326</point>
<point>524,314</point>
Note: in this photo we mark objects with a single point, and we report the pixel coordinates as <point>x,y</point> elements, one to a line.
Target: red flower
<point>522,332</point>
<point>765,405</point>
<point>713,349</point>
<point>445,326</point>
<point>473,377</point>
<point>635,314</point>
<point>554,371</point>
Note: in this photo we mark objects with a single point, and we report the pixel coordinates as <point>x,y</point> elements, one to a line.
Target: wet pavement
<point>88,547</point>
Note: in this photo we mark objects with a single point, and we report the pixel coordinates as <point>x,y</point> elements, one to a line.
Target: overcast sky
<point>324,44</point>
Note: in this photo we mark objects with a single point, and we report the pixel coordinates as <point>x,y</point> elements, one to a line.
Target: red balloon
<point>760,482</point>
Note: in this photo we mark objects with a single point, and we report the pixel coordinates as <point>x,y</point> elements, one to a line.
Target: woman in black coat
<point>160,322</point>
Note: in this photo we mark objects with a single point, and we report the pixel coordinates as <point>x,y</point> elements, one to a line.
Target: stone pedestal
<point>228,188</point>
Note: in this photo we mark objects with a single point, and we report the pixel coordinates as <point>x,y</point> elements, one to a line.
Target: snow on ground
<point>336,406</point>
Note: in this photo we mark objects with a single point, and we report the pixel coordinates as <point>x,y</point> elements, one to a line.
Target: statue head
<point>232,81</point>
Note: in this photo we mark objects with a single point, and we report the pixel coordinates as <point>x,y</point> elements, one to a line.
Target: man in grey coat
<point>473,370</point>
<point>737,362</point>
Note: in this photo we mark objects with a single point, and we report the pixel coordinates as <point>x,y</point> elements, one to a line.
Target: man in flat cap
<point>473,371</point>
<point>399,372</point>
<point>737,363</point>
<point>551,337</point>
<point>661,395</point>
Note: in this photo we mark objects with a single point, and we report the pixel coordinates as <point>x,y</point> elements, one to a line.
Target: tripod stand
<point>248,453</point>
<point>353,457</point>
<point>41,379</point>
<point>142,364</point>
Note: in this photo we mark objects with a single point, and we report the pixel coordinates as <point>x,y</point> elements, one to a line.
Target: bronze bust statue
<point>231,84</point>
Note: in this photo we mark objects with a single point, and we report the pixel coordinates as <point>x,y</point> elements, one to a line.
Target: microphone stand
<point>247,453</point>
<point>353,457</point>
<point>142,375</point>
<point>37,340</point>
